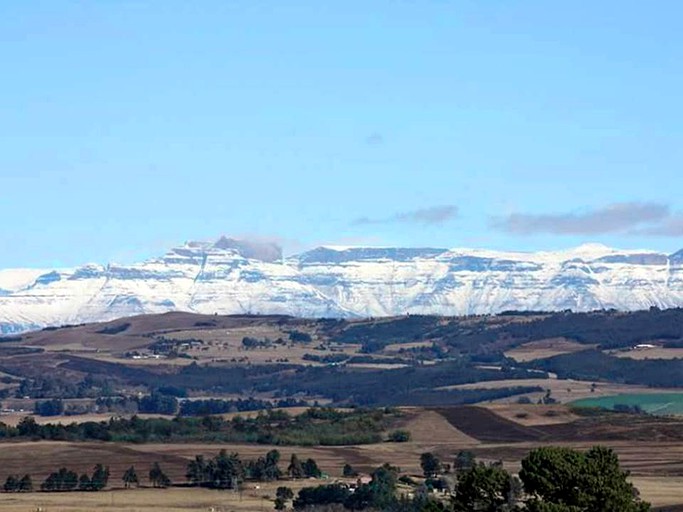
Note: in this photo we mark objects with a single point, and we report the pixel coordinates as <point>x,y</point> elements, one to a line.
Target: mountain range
<point>233,276</point>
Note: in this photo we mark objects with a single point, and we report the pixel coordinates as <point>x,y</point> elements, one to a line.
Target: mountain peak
<point>269,252</point>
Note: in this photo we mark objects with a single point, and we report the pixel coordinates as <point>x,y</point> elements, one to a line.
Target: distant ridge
<point>232,276</point>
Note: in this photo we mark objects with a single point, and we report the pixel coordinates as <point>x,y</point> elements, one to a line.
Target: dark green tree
<point>571,480</point>
<point>464,460</point>
<point>348,471</point>
<point>84,483</point>
<point>311,469</point>
<point>282,496</point>
<point>100,477</point>
<point>400,436</point>
<point>130,477</point>
<point>430,464</point>
<point>26,484</point>
<point>295,468</point>
<point>11,484</point>
<point>62,480</point>
<point>28,427</point>
<point>379,494</point>
<point>197,471</point>
<point>158,478</point>
<point>483,488</point>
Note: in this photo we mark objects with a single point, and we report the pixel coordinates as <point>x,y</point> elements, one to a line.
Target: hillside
<point>409,360</point>
<point>237,277</point>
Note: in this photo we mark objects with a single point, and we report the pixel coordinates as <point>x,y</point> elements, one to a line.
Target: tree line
<point>66,480</point>
<point>316,426</point>
<point>552,479</point>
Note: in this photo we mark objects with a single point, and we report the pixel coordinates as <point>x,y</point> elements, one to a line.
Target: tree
<point>197,471</point>
<point>26,484</point>
<point>100,477</point>
<point>271,469</point>
<point>295,468</point>
<point>348,471</point>
<point>399,436</point>
<point>464,460</point>
<point>130,477</point>
<point>28,427</point>
<point>84,483</point>
<point>571,480</point>
<point>62,480</point>
<point>321,495</point>
<point>430,464</point>
<point>282,496</point>
<point>53,407</point>
<point>482,488</point>
<point>311,469</point>
<point>379,494</point>
<point>11,484</point>
<point>157,477</point>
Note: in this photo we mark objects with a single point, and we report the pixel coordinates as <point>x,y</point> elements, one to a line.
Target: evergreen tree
<point>567,479</point>
<point>348,471</point>
<point>84,483</point>
<point>311,469</point>
<point>100,477</point>
<point>11,484</point>
<point>483,487</point>
<point>130,477</point>
<point>157,477</point>
<point>430,465</point>
<point>464,461</point>
<point>295,468</point>
<point>197,472</point>
<point>26,484</point>
<point>62,480</point>
<point>282,496</point>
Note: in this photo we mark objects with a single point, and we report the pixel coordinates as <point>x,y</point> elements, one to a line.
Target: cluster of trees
<point>67,480</point>
<point>551,480</point>
<point>252,343</point>
<point>299,336</point>
<point>594,365</point>
<point>16,484</point>
<point>379,493</point>
<point>51,387</point>
<point>317,426</point>
<point>228,470</point>
<point>157,478</point>
<point>219,406</point>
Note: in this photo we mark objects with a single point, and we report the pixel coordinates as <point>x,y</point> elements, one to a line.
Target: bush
<point>400,436</point>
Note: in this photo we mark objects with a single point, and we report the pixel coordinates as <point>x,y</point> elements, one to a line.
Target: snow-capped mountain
<point>231,276</point>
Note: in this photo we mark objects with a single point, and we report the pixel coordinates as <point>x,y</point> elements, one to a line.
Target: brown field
<point>133,500</point>
<point>650,353</point>
<point>545,348</point>
<point>652,449</point>
<point>562,390</point>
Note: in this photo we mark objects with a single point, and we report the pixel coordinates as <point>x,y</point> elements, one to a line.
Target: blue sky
<point>129,127</point>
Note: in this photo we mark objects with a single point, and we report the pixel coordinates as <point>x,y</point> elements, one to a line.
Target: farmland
<point>520,369</point>
<point>651,448</point>
<point>652,403</point>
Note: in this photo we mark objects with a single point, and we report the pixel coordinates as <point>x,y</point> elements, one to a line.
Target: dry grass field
<point>146,499</point>
<point>563,390</point>
<point>656,465</point>
<point>650,353</point>
<point>545,348</point>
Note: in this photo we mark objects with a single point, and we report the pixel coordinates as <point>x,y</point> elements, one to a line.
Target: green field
<point>653,403</point>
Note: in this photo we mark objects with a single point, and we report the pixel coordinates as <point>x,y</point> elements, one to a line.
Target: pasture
<point>652,403</point>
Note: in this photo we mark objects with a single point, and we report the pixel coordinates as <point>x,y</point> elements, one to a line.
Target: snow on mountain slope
<point>231,276</point>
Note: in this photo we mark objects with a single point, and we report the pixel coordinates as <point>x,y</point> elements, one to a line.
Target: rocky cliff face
<point>232,276</point>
